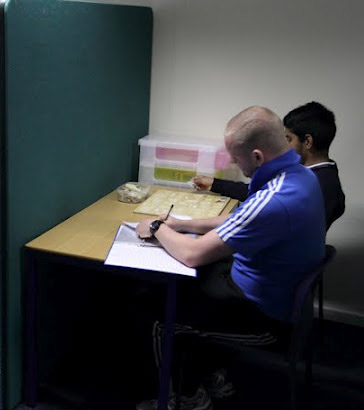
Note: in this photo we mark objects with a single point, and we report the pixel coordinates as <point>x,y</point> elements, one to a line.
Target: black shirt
<point>328,176</point>
<point>334,197</point>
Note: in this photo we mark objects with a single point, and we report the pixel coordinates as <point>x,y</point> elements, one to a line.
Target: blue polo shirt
<point>277,233</point>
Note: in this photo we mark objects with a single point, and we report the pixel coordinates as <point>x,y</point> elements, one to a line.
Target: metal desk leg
<point>31,330</point>
<point>170,317</point>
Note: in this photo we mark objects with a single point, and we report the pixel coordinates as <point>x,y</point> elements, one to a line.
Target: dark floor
<point>338,380</point>
<point>96,351</point>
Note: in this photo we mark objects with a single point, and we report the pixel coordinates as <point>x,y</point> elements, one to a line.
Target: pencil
<point>170,209</point>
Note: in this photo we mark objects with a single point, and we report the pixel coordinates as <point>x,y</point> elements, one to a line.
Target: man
<point>275,237</point>
<point>310,130</point>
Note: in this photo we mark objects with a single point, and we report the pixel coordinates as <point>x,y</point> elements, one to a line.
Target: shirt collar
<point>322,164</point>
<point>271,168</point>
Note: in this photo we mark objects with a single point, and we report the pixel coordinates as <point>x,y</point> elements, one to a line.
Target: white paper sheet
<point>128,250</point>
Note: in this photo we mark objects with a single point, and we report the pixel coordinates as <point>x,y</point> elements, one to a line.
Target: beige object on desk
<point>184,203</point>
<point>133,192</point>
<point>90,233</point>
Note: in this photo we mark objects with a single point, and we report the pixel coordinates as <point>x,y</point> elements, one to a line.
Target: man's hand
<point>202,183</point>
<point>173,223</point>
<point>142,229</point>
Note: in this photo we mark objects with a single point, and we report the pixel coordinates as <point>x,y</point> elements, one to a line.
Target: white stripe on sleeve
<point>250,211</point>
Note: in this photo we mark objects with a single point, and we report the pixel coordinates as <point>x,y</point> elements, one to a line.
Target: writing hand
<point>171,222</point>
<point>142,229</point>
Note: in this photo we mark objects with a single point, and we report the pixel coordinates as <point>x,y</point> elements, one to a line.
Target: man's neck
<point>314,159</point>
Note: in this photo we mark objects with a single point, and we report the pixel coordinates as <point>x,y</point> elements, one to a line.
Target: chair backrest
<point>302,313</point>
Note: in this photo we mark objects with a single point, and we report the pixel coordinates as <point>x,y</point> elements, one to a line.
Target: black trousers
<point>214,306</point>
<point>214,302</point>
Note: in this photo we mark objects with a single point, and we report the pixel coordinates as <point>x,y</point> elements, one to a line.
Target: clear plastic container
<point>187,150</point>
<point>174,161</point>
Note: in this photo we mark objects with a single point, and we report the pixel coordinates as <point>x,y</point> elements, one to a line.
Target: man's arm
<point>192,252</point>
<point>199,226</point>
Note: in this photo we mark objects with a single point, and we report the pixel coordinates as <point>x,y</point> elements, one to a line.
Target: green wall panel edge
<point>2,203</point>
<point>77,100</point>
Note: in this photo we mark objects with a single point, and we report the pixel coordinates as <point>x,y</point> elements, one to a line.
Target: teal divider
<point>77,100</point>
<point>2,201</point>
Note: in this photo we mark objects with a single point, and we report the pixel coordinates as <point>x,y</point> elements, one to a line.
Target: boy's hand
<point>202,183</point>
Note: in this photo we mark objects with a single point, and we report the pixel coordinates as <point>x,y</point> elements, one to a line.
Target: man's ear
<point>258,156</point>
<point>308,141</point>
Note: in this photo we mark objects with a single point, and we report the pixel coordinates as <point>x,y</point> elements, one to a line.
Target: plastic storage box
<point>174,161</point>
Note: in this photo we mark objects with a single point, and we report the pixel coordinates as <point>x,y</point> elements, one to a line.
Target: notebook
<point>129,250</point>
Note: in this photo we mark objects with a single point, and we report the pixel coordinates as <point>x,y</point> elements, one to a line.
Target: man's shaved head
<point>253,137</point>
<point>257,128</point>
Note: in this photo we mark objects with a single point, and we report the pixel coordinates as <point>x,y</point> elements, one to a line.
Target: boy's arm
<point>233,189</point>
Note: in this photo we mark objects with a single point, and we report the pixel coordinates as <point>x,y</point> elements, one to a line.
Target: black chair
<point>299,346</point>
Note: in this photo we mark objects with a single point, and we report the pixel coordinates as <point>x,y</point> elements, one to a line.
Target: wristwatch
<point>154,226</point>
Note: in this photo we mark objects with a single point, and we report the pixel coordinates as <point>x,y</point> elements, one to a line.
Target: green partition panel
<point>77,100</point>
<point>2,199</point>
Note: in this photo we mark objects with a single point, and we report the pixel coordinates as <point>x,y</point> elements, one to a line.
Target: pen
<point>170,209</point>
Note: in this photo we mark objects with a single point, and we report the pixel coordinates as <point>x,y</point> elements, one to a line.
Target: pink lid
<point>222,159</point>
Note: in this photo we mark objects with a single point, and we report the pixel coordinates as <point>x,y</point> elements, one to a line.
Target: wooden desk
<point>84,240</point>
<point>90,233</point>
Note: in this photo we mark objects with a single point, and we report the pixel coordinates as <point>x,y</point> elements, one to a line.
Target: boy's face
<point>295,143</point>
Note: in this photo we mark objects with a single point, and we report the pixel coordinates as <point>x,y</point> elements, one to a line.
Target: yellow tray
<point>190,204</point>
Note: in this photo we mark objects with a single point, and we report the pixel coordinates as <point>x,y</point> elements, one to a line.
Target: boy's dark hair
<point>314,119</point>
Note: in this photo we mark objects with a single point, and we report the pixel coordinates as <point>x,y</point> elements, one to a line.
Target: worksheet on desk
<point>130,251</point>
